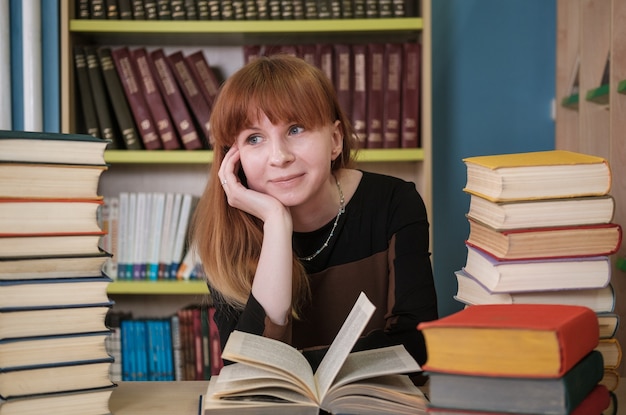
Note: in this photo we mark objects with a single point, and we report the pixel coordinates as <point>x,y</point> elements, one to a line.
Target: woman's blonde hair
<point>228,240</point>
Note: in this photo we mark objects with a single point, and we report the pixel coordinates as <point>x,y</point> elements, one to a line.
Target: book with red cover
<point>199,106</point>
<point>595,402</point>
<point>359,93</point>
<point>411,95</point>
<point>518,340</point>
<point>375,97</point>
<point>309,53</point>
<point>343,75</point>
<point>139,108</point>
<point>153,98</point>
<point>548,242</point>
<point>391,95</point>
<point>208,82</point>
<point>215,347</point>
<point>174,100</point>
<point>326,52</point>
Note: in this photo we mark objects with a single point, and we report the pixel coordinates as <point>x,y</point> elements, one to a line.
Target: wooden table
<point>182,398</point>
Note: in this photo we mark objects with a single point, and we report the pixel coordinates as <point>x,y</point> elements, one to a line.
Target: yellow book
<point>611,350</point>
<point>537,175</point>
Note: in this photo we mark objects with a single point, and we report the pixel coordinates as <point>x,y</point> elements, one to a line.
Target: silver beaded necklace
<point>342,209</point>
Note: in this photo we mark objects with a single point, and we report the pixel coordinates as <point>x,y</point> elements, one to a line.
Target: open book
<point>272,377</point>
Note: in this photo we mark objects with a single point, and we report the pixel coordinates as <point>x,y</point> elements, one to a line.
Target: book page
<point>376,362</point>
<point>343,343</point>
<point>272,355</point>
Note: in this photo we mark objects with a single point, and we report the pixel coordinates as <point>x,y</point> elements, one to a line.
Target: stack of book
<point>515,359</point>
<point>541,231</point>
<point>53,293</point>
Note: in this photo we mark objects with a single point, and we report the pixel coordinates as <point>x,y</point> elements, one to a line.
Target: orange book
<point>521,340</point>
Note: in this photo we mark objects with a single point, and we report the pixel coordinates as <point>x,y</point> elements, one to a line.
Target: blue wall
<point>493,85</point>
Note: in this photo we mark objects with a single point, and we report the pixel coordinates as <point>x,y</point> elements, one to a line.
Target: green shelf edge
<point>598,95</point>
<point>237,27</point>
<point>158,287</point>
<point>621,87</point>
<point>206,156</point>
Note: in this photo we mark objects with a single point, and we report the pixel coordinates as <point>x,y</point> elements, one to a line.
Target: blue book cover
<point>50,51</point>
<point>17,64</point>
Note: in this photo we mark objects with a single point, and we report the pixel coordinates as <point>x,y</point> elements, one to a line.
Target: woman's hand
<point>261,205</point>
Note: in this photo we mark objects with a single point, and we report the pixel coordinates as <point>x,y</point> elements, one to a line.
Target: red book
<point>137,103</point>
<point>174,100</point>
<point>308,52</point>
<point>191,91</point>
<point>197,344</point>
<point>359,93</point>
<point>519,340</point>
<point>548,242</point>
<point>375,97</point>
<point>154,100</point>
<point>392,96</point>
<point>205,76</point>
<point>215,346</point>
<point>325,53</point>
<point>411,81</point>
<point>343,76</point>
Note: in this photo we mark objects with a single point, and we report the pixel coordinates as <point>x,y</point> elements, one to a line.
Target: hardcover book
<point>86,402</point>
<point>375,94</point>
<point>518,395</point>
<point>131,83</point>
<point>208,83</point>
<point>50,245</point>
<point>343,382</point>
<point>174,100</point>
<point>87,106</point>
<point>392,95</point>
<point>154,101</point>
<point>35,147</point>
<point>536,275</point>
<point>542,213</point>
<point>549,242</point>
<point>31,267</point>
<point>511,340</point>
<point>121,109</point>
<point>31,180</point>
<point>411,95</point>
<point>472,292</point>
<point>537,175</point>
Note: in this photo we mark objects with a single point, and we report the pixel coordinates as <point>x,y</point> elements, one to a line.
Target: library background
<point>492,77</point>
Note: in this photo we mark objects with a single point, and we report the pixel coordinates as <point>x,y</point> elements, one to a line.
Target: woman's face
<point>287,161</point>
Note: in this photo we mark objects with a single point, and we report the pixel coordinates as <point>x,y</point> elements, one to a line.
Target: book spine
<point>125,9</point>
<point>164,9</point>
<point>191,12</point>
<point>151,9</point>
<point>86,99</point>
<point>199,106</point>
<point>100,99</point>
<point>375,77</point>
<point>83,9</point>
<point>98,9</point>
<point>118,100</point>
<point>410,129</point>
<point>5,67</point>
<point>392,96</point>
<point>326,53</point>
<point>139,12</point>
<point>51,96</point>
<point>174,100</point>
<point>202,7</point>
<point>204,75</point>
<point>134,96</point>
<point>178,10</point>
<point>359,94</point>
<point>343,76</point>
<point>227,11</point>
<point>216,348</point>
<point>111,10</point>
<point>154,100</point>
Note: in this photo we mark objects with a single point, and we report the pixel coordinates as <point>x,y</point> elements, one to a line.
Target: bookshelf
<point>186,171</point>
<point>590,31</point>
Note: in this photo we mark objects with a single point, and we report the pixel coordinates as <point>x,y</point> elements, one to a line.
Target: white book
<point>121,259</point>
<point>169,236</point>
<point>131,231</point>
<point>156,231</point>
<point>32,69</point>
<point>186,210</point>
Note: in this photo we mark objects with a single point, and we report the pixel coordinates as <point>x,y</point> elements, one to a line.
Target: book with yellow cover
<point>537,175</point>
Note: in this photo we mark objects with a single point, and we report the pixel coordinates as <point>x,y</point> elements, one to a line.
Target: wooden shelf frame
<point>206,156</point>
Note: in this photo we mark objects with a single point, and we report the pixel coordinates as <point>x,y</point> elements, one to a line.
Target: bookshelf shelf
<point>158,287</point>
<point>250,27</point>
<point>205,156</point>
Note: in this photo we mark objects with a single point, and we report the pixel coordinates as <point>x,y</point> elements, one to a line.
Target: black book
<point>86,99</point>
<point>139,13</point>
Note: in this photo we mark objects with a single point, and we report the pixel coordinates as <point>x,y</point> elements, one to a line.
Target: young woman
<point>289,233</point>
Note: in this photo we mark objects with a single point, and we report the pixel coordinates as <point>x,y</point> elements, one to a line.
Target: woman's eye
<point>295,129</point>
<point>253,139</point>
